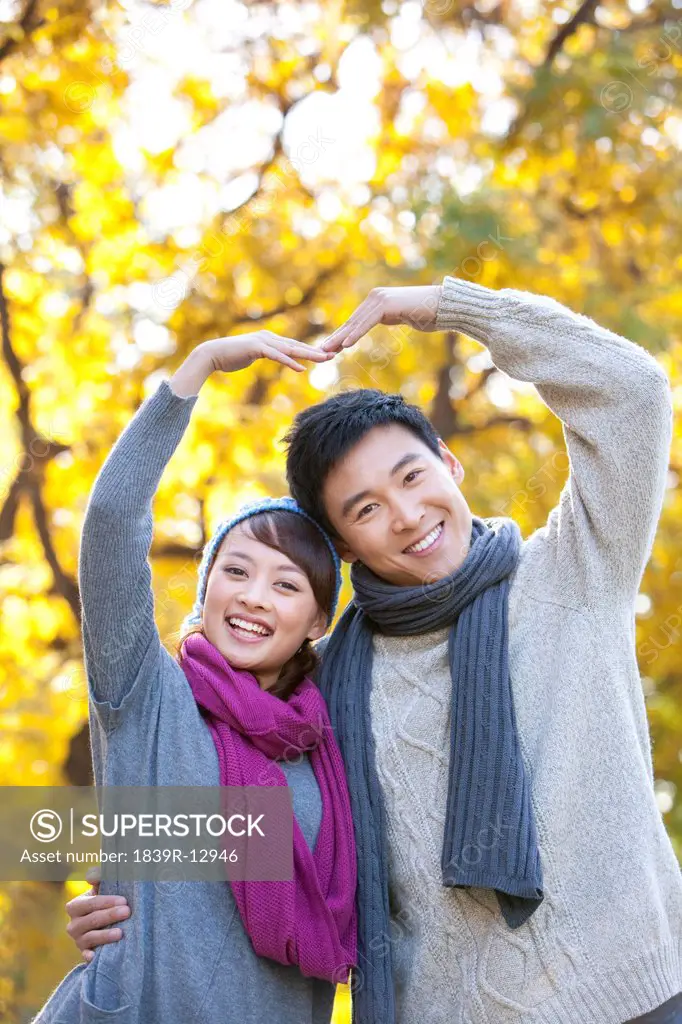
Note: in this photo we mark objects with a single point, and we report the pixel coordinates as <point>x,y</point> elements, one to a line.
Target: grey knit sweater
<point>604,946</point>
<point>185,957</point>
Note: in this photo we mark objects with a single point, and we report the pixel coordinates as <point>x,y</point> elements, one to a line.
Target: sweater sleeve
<point>614,401</point>
<point>120,637</point>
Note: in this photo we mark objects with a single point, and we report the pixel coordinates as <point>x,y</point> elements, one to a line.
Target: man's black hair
<point>322,435</point>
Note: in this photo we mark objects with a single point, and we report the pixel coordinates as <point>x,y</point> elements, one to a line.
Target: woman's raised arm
<point>120,638</point>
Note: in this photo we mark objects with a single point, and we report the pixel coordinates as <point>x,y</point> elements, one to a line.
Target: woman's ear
<point>319,626</point>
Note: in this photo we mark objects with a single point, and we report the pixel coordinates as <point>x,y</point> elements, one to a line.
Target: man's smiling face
<point>397,507</point>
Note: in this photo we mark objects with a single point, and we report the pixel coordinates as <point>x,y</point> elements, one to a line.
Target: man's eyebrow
<point>289,567</point>
<point>355,498</point>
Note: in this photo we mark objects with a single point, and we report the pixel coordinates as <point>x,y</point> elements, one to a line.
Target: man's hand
<point>90,914</point>
<point>414,306</point>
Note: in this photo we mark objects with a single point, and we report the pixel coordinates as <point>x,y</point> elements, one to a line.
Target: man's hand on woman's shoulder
<point>93,915</point>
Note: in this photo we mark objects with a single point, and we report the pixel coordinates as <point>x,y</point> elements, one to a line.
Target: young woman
<point>235,706</point>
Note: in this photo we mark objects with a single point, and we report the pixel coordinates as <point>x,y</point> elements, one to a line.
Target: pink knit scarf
<point>310,920</point>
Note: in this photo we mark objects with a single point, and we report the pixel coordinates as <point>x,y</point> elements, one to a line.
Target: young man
<point>513,865</point>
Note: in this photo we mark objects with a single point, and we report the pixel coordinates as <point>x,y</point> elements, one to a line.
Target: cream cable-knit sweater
<point>604,946</point>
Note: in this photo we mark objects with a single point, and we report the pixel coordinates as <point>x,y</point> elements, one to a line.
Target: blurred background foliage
<point>174,172</point>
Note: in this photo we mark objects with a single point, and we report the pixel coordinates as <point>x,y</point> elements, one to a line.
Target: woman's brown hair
<point>301,541</point>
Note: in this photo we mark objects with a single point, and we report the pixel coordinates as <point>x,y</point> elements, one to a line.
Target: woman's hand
<point>238,352</point>
<point>90,916</point>
<point>415,306</point>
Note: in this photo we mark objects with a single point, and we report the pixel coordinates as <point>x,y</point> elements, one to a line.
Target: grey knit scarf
<point>490,838</point>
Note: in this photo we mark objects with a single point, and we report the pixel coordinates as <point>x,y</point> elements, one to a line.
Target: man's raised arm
<point>612,397</point>
<point>614,401</point>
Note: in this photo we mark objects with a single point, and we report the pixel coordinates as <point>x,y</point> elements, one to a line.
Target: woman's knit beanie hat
<point>251,508</point>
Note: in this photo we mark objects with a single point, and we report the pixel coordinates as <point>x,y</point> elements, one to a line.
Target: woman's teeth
<point>430,539</point>
<point>251,628</point>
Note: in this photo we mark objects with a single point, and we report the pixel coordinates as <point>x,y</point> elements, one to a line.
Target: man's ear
<point>454,466</point>
<point>343,551</point>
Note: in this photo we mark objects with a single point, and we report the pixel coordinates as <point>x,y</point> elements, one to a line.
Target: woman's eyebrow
<point>239,554</point>
<point>289,567</point>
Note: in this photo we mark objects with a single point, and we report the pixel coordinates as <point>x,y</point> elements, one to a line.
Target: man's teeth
<point>252,627</point>
<point>428,540</point>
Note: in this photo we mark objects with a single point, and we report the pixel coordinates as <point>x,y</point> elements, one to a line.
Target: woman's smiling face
<point>259,606</point>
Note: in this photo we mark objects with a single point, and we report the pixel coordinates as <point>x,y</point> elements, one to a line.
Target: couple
<point>494,853</point>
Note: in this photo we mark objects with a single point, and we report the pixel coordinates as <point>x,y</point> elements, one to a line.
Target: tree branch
<point>24,26</point>
<point>443,414</point>
<point>522,422</point>
<point>582,16</point>
<point>446,416</point>
<point>37,450</point>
